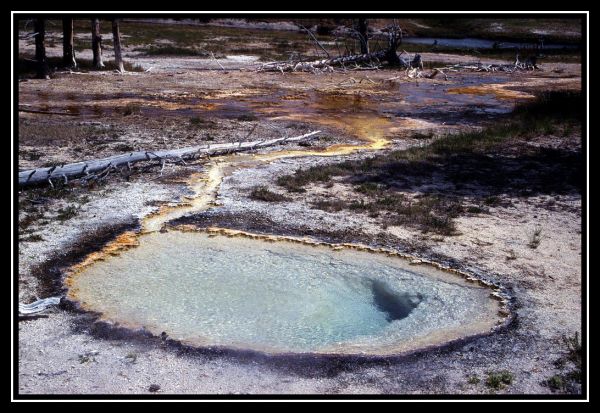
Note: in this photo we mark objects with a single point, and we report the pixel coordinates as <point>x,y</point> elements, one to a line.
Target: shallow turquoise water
<point>277,297</point>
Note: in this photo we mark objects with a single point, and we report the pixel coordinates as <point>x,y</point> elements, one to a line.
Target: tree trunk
<point>97,44</point>
<point>40,48</point>
<point>99,168</point>
<point>363,32</point>
<point>117,43</point>
<point>68,49</point>
<point>394,39</point>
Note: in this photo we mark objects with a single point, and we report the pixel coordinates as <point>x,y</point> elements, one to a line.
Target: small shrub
<point>368,188</point>
<point>262,193</point>
<point>555,383</point>
<point>473,380</point>
<point>574,352</point>
<point>474,209</point>
<point>498,380</point>
<point>492,201</point>
<point>535,237</point>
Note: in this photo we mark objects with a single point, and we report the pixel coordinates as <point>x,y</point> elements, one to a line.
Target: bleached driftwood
<point>101,167</point>
<point>38,306</point>
<point>483,67</point>
<point>372,60</point>
<point>322,64</point>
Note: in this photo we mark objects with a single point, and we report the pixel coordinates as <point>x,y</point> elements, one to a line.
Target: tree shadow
<point>541,171</point>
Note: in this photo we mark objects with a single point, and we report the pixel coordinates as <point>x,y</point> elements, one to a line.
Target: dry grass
<point>427,187</point>
<point>262,193</point>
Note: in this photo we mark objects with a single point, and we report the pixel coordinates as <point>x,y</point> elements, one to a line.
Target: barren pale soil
<point>506,210</point>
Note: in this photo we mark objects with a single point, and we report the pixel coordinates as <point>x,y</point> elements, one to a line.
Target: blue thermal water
<point>280,297</point>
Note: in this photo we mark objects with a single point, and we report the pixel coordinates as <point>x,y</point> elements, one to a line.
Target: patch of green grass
<point>555,383</point>
<point>429,213</point>
<point>499,380</point>
<point>262,193</point>
<point>574,351</point>
<point>473,380</point>
<point>302,177</point>
<point>570,364</point>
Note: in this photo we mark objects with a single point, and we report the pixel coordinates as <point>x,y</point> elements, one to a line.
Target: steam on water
<point>277,297</point>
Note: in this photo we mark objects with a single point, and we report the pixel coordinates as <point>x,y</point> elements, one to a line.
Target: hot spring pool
<point>281,297</point>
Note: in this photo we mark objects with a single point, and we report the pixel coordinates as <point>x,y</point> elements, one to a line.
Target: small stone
<point>154,388</point>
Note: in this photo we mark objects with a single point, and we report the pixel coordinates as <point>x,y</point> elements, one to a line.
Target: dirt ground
<point>185,101</point>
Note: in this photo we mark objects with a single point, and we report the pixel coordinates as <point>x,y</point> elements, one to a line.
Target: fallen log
<point>96,168</point>
<point>491,67</point>
<point>38,306</point>
<point>374,59</point>
<point>321,64</point>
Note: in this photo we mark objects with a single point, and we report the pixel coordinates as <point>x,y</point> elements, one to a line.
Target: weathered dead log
<point>323,63</point>
<point>483,67</point>
<point>101,167</point>
<point>38,306</point>
<point>389,55</point>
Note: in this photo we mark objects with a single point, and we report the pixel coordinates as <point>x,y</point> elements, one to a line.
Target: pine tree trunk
<point>97,44</point>
<point>117,43</point>
<point>40,49</point>
<point>68,49</point>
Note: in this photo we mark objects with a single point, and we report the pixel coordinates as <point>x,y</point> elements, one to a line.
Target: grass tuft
<point>535,237</point>
<point>499,380</point>
<point>262,193</point>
